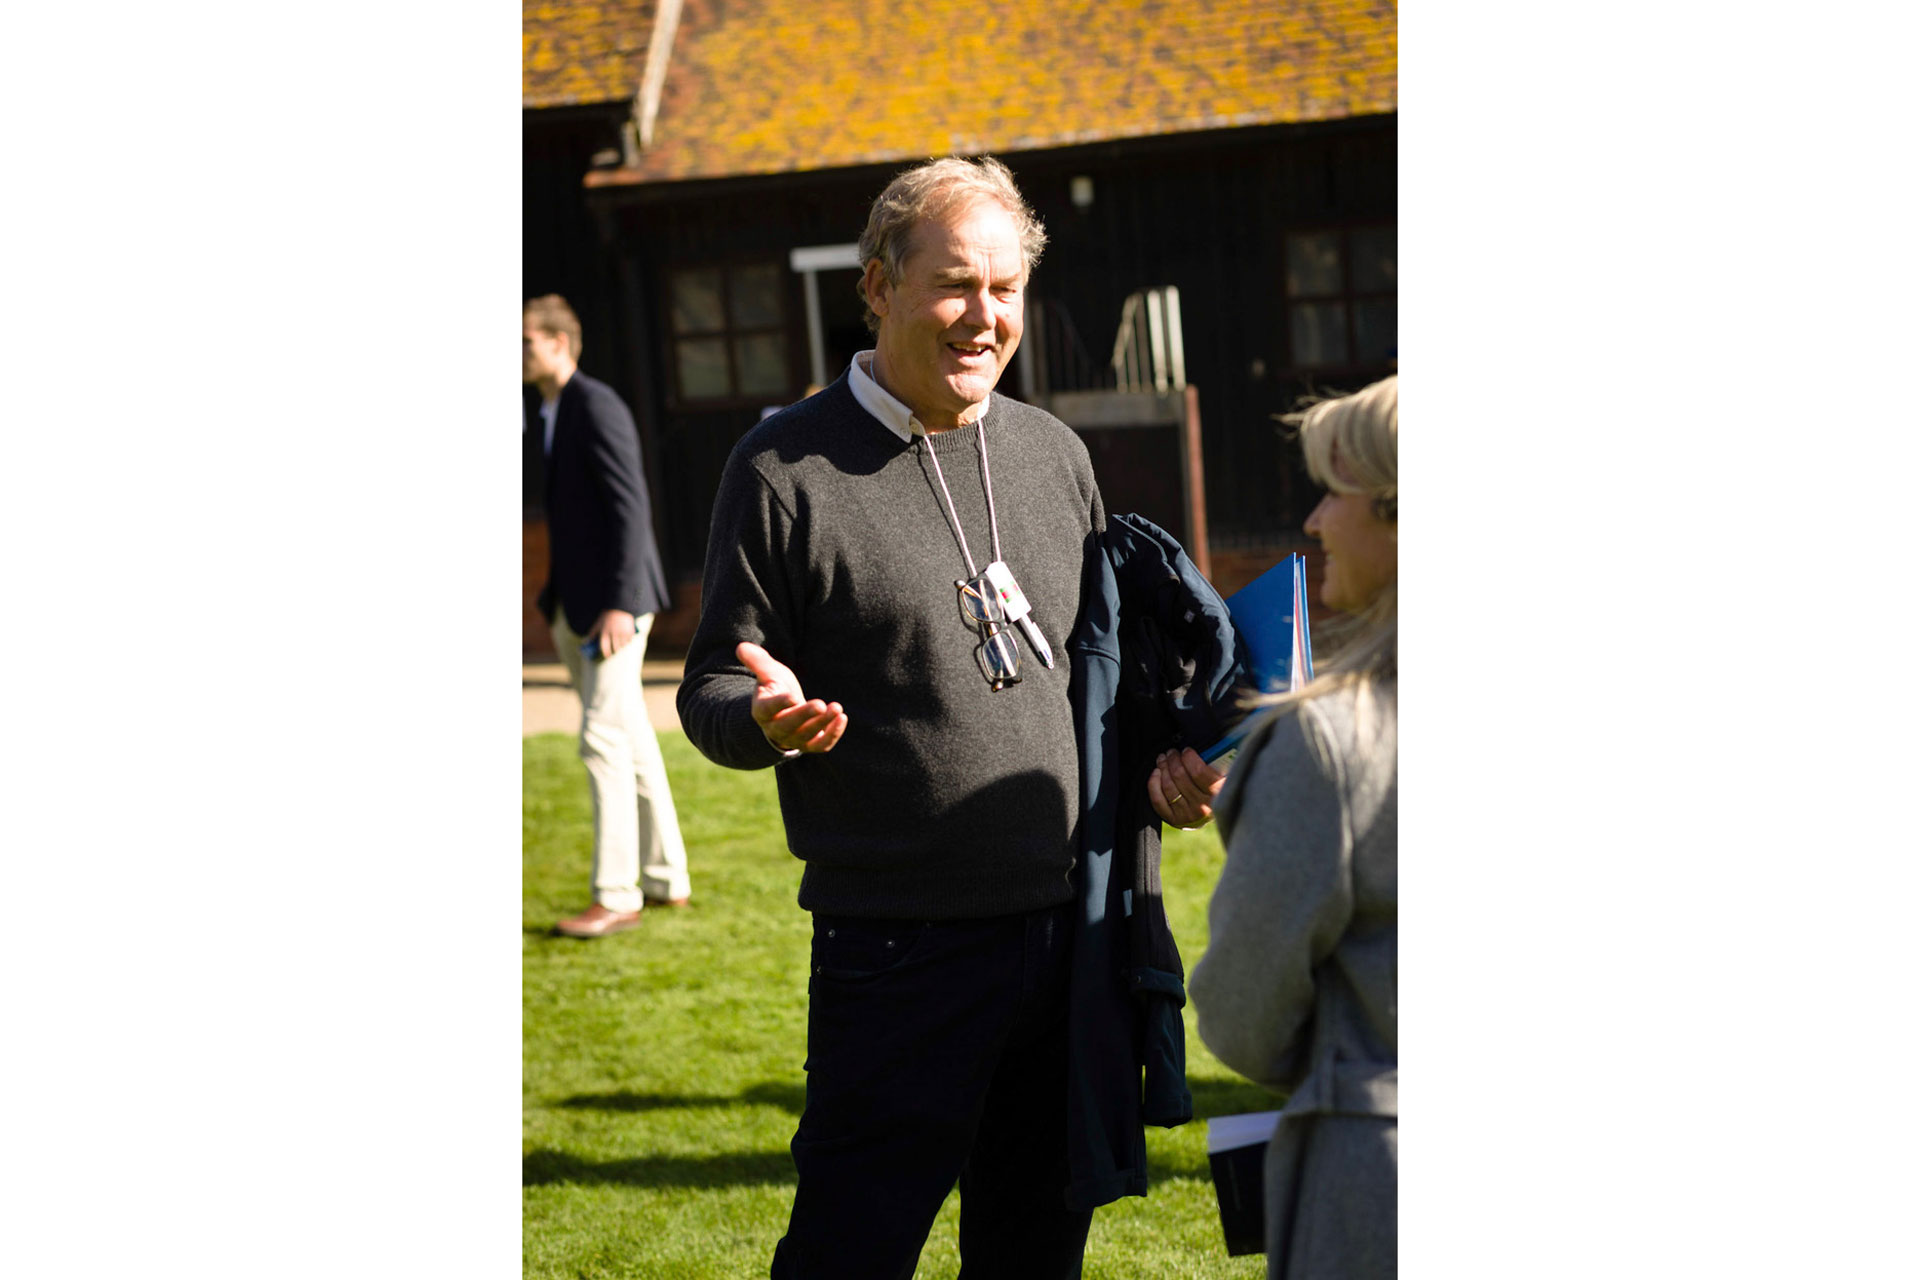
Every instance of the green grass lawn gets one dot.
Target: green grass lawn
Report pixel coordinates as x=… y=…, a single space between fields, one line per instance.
x=661 y=1077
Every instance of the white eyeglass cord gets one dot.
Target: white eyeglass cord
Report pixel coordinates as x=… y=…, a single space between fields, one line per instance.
x=986 y=481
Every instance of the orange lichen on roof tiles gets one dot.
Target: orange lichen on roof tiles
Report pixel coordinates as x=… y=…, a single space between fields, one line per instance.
x=771 y=86
x=578 y=52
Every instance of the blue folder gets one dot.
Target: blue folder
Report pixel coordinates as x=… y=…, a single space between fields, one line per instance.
x=1270 y=613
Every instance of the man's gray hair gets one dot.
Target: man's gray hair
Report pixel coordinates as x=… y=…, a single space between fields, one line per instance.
x=932 y=190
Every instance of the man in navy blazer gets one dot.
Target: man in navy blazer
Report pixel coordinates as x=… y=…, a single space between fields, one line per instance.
x=604 y=586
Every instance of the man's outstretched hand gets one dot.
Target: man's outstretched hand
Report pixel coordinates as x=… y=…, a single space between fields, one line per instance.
x=791 y=721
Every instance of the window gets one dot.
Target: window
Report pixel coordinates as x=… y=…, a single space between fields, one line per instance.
x=729 y=332
x=1343 y=297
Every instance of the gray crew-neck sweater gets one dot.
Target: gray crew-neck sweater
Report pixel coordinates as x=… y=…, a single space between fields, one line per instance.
x=833 y=548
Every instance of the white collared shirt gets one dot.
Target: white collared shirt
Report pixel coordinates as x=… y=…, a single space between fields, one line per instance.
x=879 y=402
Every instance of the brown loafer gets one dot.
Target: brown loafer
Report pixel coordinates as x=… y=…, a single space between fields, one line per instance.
x=668 y=902
x=597 y=922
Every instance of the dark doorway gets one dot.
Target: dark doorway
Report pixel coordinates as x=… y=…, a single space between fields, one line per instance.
x=843 y=331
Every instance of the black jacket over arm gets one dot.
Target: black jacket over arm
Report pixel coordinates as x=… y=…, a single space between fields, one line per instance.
x=599 y=519
x=1157 y=663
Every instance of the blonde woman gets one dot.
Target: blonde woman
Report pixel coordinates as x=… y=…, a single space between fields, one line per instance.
x=1298 y=988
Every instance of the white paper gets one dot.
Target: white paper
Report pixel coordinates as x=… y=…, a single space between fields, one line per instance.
x=1224 y=1133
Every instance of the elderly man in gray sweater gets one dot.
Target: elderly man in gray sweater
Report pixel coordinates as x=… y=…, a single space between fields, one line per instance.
x=910 y=545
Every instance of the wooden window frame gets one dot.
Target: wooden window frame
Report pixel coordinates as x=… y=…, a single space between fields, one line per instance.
x=729 y=333
x=1348 y=296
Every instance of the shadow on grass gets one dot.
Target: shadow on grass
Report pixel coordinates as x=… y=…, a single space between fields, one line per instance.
x=562 y=943
x=755 y=1168
x=1230 y=1097
x=791 y=1098
x=730 y=1169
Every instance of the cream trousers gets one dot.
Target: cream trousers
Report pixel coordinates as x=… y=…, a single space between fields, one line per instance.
x=636 y=834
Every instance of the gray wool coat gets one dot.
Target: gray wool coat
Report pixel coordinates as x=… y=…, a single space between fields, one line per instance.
x=1298 y=988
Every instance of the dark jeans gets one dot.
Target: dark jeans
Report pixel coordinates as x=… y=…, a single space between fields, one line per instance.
x=936 y=1052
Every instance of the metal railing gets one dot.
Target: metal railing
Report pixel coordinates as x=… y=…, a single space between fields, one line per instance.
x=1149 y=351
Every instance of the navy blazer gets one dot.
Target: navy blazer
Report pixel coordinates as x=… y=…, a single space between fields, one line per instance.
x=599 y=517
x=1156 y=664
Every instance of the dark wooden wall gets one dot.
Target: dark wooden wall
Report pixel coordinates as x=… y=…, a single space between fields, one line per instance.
x=1207 y=213
x=563 y=245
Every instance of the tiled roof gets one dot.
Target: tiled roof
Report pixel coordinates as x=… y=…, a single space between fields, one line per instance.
x=580 y=52
x=771 y=86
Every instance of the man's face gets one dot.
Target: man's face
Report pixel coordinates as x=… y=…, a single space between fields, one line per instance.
x=948 y=329
x=541 y=354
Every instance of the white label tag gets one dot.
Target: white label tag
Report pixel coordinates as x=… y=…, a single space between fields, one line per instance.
x=1012 y=598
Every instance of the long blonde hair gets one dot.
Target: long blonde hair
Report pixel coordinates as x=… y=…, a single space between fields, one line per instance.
x=1352 y=446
